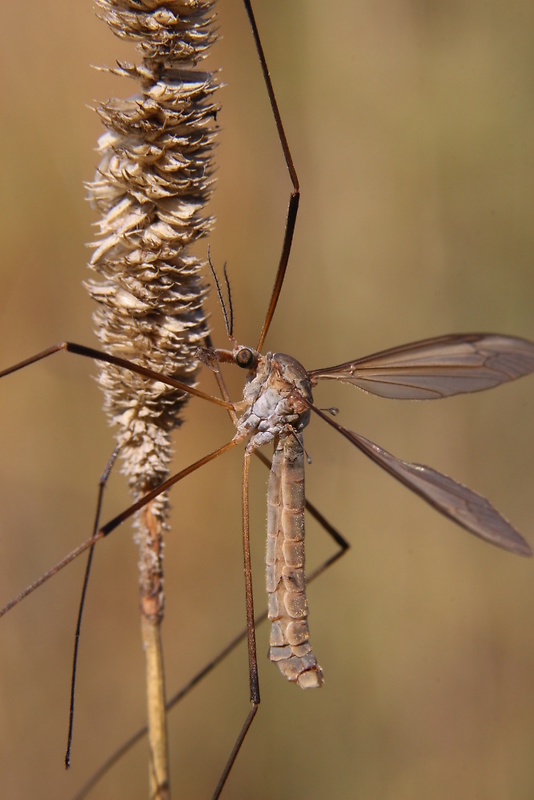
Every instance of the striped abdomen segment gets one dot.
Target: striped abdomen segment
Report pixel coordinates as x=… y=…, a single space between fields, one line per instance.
x=286 y=583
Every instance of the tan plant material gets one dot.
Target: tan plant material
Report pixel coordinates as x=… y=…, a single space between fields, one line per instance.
x=151 y=188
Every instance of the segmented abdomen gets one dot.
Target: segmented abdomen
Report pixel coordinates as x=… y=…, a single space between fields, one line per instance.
x=286 y=583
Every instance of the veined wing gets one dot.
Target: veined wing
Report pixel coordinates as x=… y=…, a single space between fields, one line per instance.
x=438 y=367
x=470 y=510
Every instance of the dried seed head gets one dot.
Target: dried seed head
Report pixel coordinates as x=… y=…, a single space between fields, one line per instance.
x=151 y=188
x=152 y=184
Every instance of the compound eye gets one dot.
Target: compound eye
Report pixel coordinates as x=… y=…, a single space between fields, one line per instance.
x=245 y=358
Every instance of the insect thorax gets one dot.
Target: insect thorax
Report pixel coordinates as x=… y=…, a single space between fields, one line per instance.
x=276 y=398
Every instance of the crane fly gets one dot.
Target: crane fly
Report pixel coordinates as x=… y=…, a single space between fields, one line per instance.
x=276 y=407
x=278 y=400
x=278 y=403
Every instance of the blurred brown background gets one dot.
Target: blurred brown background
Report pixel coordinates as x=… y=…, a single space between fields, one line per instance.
x=411 y=126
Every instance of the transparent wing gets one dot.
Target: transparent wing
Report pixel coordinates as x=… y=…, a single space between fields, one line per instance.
x=438 y=367
x=468 y=509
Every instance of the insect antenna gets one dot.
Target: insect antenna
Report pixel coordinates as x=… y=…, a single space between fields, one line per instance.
x=228 y=312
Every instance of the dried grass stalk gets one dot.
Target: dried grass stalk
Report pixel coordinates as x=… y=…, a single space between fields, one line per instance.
x=152 y=184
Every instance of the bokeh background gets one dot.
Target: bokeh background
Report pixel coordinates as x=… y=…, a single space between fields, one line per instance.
x=412 y=128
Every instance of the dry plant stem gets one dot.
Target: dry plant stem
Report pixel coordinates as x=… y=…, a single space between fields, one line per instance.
x=156 y=702
x=152 y=606
x=151 y=188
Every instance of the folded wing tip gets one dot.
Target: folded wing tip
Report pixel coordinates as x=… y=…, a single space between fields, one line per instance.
x=522 y=548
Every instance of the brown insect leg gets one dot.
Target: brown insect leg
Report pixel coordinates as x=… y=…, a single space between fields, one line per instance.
x=295 y=194
x=114 y=523
x=100 y=355
x=101 y=487
x=251 y=632
x=219 y=658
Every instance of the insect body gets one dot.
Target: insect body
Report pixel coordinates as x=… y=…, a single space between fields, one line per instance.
x=279 y=395
x=276 y=407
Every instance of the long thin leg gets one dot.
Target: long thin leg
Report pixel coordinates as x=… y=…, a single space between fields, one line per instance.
x=251 y=635
x=251 y=632
x=252 y=655
x=100 y=355
x=114 y=523
x=295 y=194
x=101 y=486
x=343 y=546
